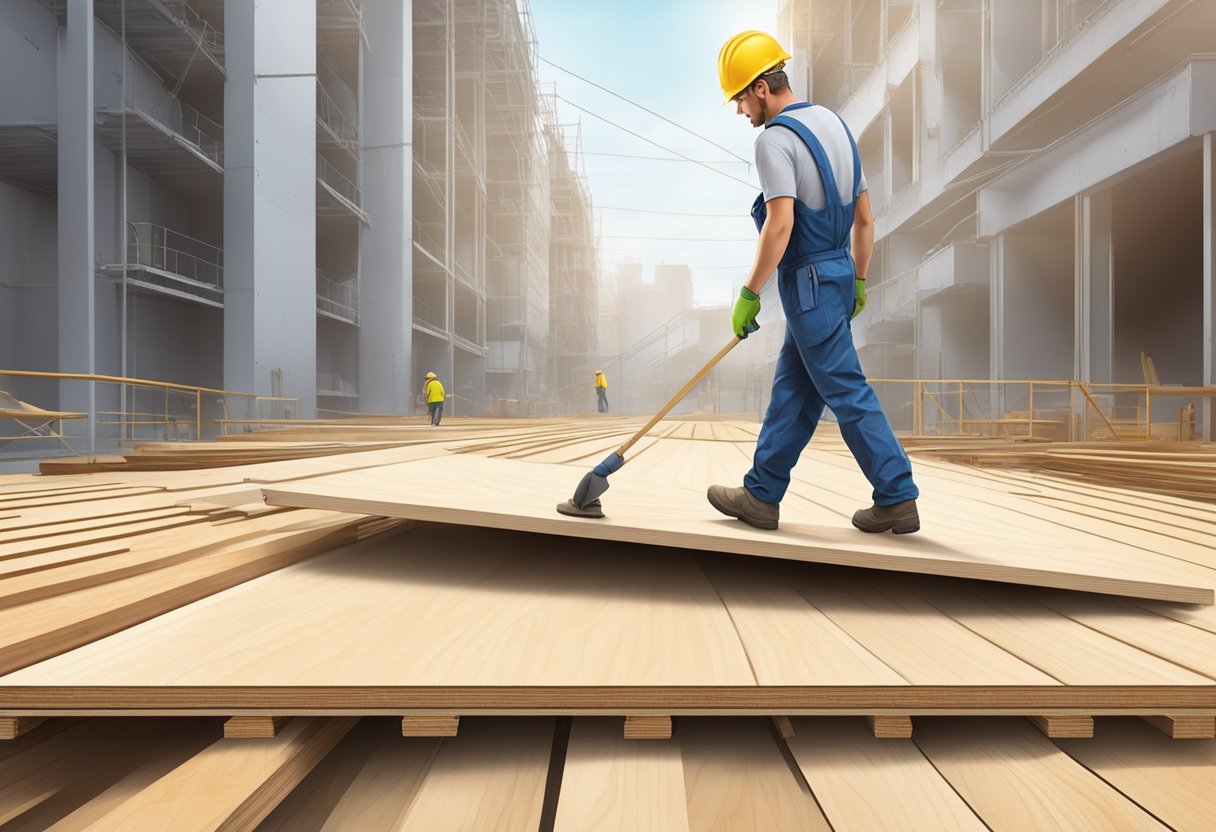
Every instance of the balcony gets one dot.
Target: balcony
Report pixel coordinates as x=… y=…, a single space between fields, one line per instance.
x=167 y=139
x=952 y=270
x=170 y=35
x=338 y=299
x=161 y=261
x=337 y=196
x=335 y=128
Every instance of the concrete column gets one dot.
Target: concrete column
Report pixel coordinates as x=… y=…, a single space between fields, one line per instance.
x=270 y=303
x=386 y=301
x=1094 y=274
x=76 y=245
x=1209 y=281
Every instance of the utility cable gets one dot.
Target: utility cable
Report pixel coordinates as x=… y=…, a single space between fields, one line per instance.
x=658 y=158
x=752 y=185
x=666 y=213
x=648 y=110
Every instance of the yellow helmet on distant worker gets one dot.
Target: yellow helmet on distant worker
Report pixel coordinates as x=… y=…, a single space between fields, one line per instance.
x=431 y=375
x=746 y=57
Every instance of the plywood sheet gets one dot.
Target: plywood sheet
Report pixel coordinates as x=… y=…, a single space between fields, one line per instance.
x=736 y=779
x=434 y=607
x=490 y=777
x=879 y=785
x=1015 y=778
x=610 y=783
x=521 y=496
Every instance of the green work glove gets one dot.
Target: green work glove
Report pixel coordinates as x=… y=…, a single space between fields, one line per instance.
x=859 y=297
x=743 y=318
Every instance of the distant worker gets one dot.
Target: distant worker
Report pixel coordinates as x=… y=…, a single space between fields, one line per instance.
x=433 y=388
x=814 y=200
x=601 y=391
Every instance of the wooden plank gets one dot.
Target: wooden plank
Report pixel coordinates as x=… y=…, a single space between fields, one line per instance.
x=12 y=727
x=495 y=610
x=1176 y=781
x=788 y=640
x=430 y=725
x=1015 y=778
x=36 y=631
x=1064 y=726
x=647 y=727
x=231 y=784
x=385 y=787
x=736 y=778
x=861 y=782
x=890 y=727
x=1184 y=726
x=522 y=496
x=309 y=806
x=1069 y=651
x=490 y=777
x=609 y=784
x=254 y=727
x=135 y=760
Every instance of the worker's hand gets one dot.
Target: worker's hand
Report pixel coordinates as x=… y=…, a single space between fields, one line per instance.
x=859 y=297
x=743 y=318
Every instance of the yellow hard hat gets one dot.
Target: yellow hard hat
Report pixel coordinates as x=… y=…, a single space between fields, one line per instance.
x=431 y=375
x=746 y=57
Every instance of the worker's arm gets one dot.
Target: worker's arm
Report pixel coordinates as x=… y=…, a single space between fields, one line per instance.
x=774 y=237
x=863 y=235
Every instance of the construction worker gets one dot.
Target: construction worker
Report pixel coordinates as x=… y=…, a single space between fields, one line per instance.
x=601 y=391
x=433 y=389
x=814 y=200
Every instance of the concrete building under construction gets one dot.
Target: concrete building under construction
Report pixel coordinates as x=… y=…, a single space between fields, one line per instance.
x=1042 y=176
x=312 y=201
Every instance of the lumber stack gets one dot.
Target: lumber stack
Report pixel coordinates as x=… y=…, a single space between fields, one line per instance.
x=522 y=664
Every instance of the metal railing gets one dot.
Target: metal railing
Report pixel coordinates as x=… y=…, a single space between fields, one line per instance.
x=1041 y=409
x=337 y=182
x=137 y=408
x=336 y=120
x=193 y=126
x=169 y=252
x=340 y=299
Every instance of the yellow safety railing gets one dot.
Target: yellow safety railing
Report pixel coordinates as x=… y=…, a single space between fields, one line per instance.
x=1038 y=408
x=134 y=414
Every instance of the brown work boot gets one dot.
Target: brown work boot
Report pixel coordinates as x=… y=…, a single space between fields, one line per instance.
x=900 y=518
x=739 y=503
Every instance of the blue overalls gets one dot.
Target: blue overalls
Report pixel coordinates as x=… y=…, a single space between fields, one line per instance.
x=818 y=363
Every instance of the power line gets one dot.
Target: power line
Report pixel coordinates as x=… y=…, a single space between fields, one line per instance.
x=648 y=110
x=667 y=213
x=680 y=239
x=663 y=158
x=656 y=144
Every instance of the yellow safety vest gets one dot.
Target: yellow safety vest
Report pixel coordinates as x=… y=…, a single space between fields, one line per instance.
x=601 y=381
x=434 y=391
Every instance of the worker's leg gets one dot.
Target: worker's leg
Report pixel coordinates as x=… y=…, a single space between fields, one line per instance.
x=438 y=413
x=793 y=412
x=836 y=371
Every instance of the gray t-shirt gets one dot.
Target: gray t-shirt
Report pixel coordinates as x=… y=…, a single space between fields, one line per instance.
x=787 y=168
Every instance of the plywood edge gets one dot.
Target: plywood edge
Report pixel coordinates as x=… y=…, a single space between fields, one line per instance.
x=1184 y=726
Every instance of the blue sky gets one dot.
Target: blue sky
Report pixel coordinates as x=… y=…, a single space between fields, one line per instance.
x=662 y=55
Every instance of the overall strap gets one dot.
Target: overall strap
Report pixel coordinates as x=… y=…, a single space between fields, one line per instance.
x=821 y=158
x=856 y=157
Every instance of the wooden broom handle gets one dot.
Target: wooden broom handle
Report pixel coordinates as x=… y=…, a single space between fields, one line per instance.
x=692 y=382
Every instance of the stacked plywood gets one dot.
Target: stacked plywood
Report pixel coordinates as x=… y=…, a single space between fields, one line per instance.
x=155 y=593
